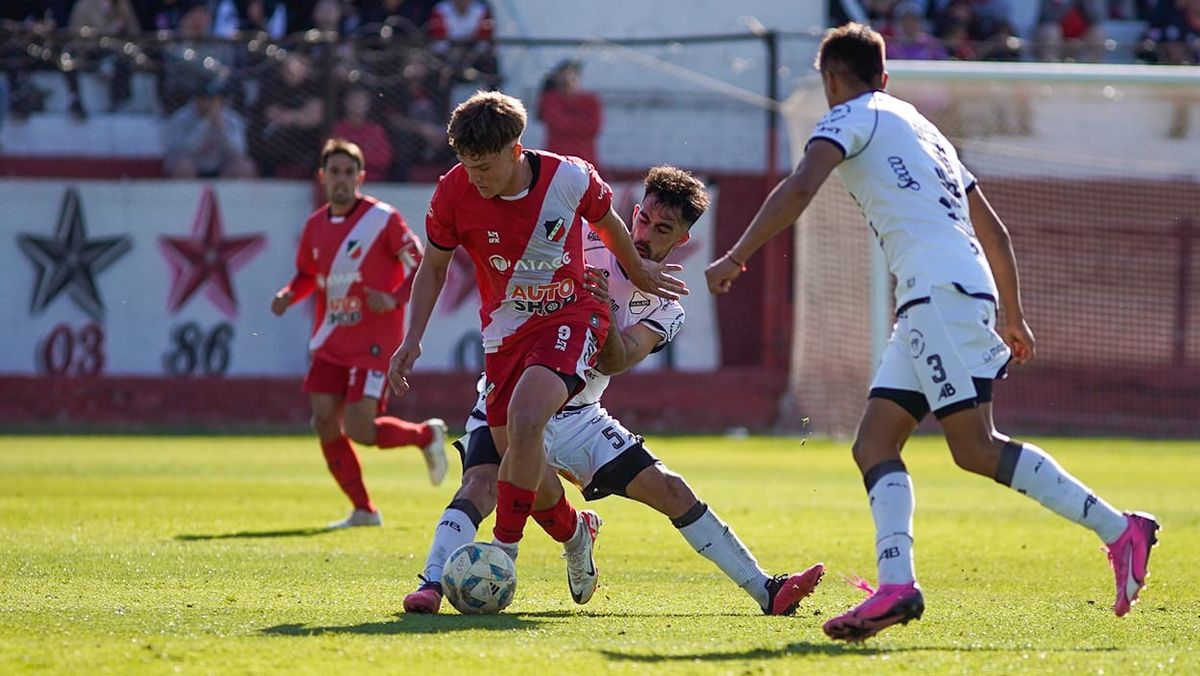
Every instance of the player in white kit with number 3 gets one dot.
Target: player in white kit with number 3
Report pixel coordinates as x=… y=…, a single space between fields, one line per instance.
x=593 y=450
x=953 y=262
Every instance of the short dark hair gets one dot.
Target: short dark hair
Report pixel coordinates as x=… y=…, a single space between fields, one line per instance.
x=486 y=123
x=855 y=49
x=340 y=146
x=675 y=188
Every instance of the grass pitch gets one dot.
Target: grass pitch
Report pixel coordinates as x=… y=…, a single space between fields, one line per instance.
x=205 y=554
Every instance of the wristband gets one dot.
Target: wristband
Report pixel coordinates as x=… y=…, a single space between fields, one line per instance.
x=735 y=261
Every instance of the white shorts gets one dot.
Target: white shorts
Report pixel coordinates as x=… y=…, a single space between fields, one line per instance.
x=588 y=446
x=943 y=354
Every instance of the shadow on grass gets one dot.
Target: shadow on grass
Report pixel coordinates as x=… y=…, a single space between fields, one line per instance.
x=251 y=534
x=607 y=614
x=404 y=623
x=829 y=649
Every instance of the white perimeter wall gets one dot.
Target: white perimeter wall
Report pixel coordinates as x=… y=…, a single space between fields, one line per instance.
x=138 y=324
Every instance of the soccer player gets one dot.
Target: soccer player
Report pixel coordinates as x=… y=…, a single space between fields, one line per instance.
x=952 y=260
x=519 y=214
x=594 y=450
x=357 y=254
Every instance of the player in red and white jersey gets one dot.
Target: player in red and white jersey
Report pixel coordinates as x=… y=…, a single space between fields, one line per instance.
x=593 y=450
x=519 y=214
x=357 y=255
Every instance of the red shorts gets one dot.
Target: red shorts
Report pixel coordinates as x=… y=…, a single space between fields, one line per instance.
x=350 y=382
x=567 y=345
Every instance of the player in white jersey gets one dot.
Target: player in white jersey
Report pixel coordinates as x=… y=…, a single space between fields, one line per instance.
x=952 y=260
x=593 y=450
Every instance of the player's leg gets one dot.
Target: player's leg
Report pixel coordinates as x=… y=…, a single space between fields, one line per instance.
x=669 y=494
x=895 y=405
x=364 y=425
x=326 y=385
x=538 y=393
x=1030 y=471
x=459 y=523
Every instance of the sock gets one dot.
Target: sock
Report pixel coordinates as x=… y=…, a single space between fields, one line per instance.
x=343 y=465
x=1029 y=471
x=560 y=521
x=715 y=541
x=457 y=527
x=513 y=506
x=891 y=494
x=392 y=432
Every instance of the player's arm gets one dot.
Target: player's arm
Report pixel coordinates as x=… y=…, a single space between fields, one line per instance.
x=622 y=350
x=997 y=248
x=427 y=286
x=647 y=275
x=781 y=209
x=302 y=284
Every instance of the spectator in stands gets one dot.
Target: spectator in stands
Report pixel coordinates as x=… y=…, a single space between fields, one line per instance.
x=909 y=39
x=1174 y=33
x=879 y=14
x=356 y=126
x=206 y=139
x=1072 y=29
x=36 y=47
x=192 y=58
x=573 y=116
x=407 y=16
x=290 y=120
x=461 y=34
x=328 y=17
x=957 y=40
x=107 y=18
x=416 y=123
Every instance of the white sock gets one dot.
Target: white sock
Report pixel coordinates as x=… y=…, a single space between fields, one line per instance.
x=892 y=504
x=716 y=541
x=1037 y=475
x=575 y=542
x=455 y=529
x=510 y=548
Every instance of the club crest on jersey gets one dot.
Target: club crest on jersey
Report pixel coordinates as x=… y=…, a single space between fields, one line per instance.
x=555 y=229
x=639 y=303
x=354 y=249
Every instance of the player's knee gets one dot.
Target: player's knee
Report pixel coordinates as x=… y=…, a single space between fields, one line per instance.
x=524 y=426
x=360 y=430
x=869 y=452
x=479 y=487
x=326 y=425
x=676 y=489
x=974 y=455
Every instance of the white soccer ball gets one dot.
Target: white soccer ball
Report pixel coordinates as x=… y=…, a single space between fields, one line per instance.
x=479 y=579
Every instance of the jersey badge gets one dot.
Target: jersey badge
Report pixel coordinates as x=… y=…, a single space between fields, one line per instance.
x=354 y=249
x=638 y=303
x=555 y=229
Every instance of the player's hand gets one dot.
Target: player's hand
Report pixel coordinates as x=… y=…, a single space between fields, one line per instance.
x=401 y=366
x=720 y=275
x=653 y=279
x=282 y=302
x=380 y=301
x=596 y=283
x=1019 y=338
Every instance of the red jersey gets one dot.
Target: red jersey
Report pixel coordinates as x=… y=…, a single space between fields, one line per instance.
x=339 y=258
x=528 y=248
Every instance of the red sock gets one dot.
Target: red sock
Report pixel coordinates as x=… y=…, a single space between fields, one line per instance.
x=392 y=432
x=513 y=505
x=560 y=521
x=343 y=465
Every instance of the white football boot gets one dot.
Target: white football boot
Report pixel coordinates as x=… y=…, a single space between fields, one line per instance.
x=582 y=576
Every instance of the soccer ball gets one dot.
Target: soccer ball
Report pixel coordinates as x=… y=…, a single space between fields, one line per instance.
x=479 y=579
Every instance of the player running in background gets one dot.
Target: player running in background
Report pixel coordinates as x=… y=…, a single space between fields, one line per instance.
x=594 y=450
x=357 y=254
x=519 y=214
x=952 y=259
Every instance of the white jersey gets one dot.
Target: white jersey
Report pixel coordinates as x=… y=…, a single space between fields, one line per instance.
x=912 y=188
x=630 y=305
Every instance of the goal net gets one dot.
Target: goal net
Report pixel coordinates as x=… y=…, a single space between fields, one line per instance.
x=1094 y=171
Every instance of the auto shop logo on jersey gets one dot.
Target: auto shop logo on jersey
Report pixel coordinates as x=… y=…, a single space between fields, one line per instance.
x=555 y=229
x=354 y=249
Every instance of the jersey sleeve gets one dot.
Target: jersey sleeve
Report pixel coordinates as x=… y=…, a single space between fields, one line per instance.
x=439 y=220
x=847 y=126
x=405 y=245
x=597 y=199
x=968 y=179
x=665 y=320
x=305 y=280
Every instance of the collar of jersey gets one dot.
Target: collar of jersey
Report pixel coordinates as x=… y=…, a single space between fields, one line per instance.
x=535 y=168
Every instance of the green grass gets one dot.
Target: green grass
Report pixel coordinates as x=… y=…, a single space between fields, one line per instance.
x=201 y=554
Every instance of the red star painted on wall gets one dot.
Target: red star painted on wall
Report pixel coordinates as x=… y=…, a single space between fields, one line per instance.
x=207 y=259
